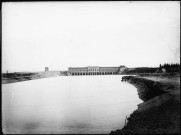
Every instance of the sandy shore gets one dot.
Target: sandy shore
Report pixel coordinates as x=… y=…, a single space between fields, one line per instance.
x=160 y=111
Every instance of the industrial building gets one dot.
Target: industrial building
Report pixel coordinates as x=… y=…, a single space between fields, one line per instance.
x=95 y=70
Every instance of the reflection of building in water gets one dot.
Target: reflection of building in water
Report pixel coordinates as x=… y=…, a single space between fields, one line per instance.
x=95 y=70
x=46 y=69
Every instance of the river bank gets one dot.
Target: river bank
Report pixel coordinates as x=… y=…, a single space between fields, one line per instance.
x=160 y=111
x=18 y=77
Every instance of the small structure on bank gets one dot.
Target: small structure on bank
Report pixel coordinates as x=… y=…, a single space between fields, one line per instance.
x=46 y=69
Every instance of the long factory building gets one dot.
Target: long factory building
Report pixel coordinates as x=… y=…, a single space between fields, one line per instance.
x=95 y=70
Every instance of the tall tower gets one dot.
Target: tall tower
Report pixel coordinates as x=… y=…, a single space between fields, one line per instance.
x=46 y=69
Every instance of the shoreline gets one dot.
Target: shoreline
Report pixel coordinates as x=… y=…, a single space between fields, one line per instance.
x=160 y=111
x=20 y=78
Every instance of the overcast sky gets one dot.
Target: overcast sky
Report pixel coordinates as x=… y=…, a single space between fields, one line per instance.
x=74 y=34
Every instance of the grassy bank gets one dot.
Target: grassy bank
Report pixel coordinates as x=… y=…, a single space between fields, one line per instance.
x=160 y=111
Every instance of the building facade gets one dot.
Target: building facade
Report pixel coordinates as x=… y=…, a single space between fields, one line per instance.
x=93 y=70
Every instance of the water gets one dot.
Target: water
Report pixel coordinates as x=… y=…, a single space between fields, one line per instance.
x=67 y=104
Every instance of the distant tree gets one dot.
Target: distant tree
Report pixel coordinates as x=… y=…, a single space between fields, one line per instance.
x=160 y=66
x=171 y=67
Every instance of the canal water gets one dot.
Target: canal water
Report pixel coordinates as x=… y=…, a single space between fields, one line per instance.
x=67 y=104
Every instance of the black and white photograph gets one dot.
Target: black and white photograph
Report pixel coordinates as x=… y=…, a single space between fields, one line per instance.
x=90 y=67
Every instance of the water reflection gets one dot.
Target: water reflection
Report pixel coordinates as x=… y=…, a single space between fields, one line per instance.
x=68 y=104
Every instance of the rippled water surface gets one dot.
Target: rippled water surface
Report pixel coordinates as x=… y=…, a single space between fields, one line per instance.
x=67 y=104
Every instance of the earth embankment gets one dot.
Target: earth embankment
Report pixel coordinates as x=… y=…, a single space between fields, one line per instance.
x=160 y=111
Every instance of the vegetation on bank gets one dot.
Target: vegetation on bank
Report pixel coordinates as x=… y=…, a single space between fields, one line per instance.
x=165 y=68
x=17 y=77
x=14 y=75
x=170 y=68
x=25 y=76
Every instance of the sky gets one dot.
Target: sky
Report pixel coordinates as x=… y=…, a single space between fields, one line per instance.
x=59 y=35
